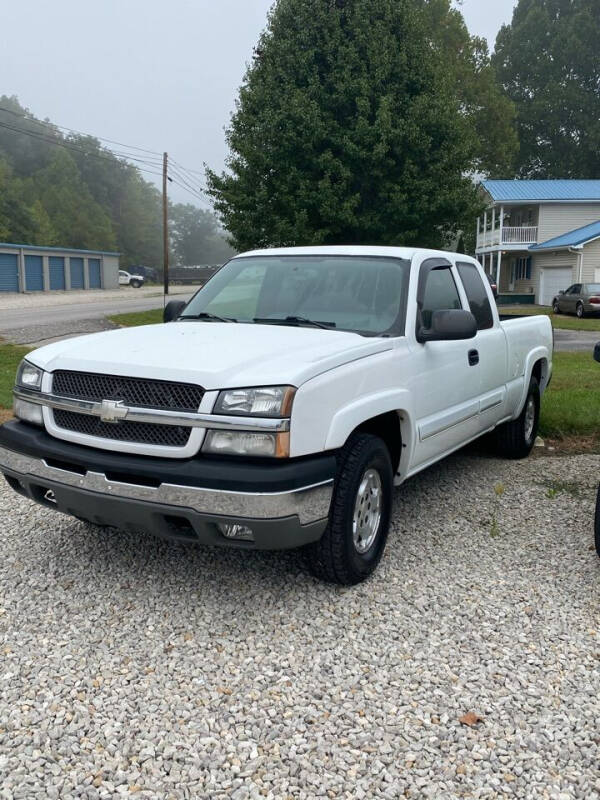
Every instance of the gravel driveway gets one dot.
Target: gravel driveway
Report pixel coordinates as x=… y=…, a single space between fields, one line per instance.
x=133 y=667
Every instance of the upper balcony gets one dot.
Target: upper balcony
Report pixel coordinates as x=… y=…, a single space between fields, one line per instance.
x=520 y=236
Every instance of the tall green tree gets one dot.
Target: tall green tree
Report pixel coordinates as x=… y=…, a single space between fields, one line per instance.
x=548 y=60
x=489 y=112
x=350 y=128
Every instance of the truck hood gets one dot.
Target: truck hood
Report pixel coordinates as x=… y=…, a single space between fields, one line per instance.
x=213 y=354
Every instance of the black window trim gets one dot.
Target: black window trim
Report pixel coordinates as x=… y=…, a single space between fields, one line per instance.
x=460 y=263
x=428 y=266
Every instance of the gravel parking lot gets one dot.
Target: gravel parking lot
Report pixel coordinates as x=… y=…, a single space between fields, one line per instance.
x=135 y=667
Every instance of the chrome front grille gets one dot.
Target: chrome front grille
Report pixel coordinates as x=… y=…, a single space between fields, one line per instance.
x=139 y=432
x=141 y=392
x=133 y=392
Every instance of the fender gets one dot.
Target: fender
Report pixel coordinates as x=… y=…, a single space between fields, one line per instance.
x=349 y=417
x=538 y=354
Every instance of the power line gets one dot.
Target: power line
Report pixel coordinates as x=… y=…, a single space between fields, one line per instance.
x=190 y=174
x=155 y=161
x=81 y=133
x=191 y=191
x=69 y=146
x=188 y=181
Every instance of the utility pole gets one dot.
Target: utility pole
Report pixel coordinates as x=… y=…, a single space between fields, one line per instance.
x=165 y=225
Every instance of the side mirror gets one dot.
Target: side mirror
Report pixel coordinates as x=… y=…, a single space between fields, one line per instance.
x=597 y=352
x=561 y=292
x=173 y=310
x=448 y=326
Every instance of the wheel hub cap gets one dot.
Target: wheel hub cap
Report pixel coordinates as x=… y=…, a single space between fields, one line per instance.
x=367 y=511
x=529 y=418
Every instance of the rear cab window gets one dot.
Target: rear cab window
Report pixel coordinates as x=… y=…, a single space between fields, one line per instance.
x=477 y=295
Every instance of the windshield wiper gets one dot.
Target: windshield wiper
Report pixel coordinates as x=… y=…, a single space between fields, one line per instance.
x=206 y=316
x=294 y=321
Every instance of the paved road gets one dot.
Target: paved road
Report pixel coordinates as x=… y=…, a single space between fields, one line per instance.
x=575 y=341
x=31 y=326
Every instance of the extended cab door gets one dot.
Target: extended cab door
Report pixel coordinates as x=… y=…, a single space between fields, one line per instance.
x=491 y=349
x=446 y=383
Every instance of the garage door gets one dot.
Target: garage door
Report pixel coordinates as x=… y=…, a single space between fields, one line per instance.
x=552 y=281
x=34 y=274
x=94 y=267
x=76 y=273
x=57 y=272
x=9 y=272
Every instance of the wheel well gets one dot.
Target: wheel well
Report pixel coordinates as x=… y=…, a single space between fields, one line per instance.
x=387 y=427
x=540 y=371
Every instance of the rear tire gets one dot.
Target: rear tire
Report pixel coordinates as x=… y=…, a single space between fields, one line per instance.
x=515 y=439
x=580 y=311
x=359 y=518
x=597 y=526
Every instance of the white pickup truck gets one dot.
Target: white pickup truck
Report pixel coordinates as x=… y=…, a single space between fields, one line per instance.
x=282 y=404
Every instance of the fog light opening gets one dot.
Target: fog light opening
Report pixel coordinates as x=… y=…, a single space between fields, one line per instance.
x=238 y=532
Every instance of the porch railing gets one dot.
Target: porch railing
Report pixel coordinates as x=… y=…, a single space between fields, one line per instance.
x=519 y=235
x=509 y=236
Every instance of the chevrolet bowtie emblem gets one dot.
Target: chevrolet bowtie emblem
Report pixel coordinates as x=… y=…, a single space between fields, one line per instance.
x=112 y=410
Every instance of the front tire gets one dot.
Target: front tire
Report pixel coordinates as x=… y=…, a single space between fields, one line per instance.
x=359 y=518
x=580 y=311
x=556 y=307
x=515 y=439
x=135 y=284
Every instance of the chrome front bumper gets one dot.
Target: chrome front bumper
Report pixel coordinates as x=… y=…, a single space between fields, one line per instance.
x=308 y=504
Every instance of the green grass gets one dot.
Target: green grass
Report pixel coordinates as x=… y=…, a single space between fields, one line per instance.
x=10 y=356
x=571 y=405
x=558 y=320
x=138 y=318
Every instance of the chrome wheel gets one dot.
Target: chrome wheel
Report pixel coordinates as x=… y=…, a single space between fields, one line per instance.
x=367 y=511
x=579 y=310
x=529 y=418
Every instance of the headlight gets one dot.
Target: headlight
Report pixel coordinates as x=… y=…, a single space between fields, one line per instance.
x=267 y=401
x=29 y=376
x=243 y=443
x=28 y=412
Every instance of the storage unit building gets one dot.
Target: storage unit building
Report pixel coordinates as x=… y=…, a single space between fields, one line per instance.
x=28 y=268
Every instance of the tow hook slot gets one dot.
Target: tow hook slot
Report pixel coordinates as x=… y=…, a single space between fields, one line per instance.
x=50 y=497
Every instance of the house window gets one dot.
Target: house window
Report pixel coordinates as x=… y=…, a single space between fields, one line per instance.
x=521 y=269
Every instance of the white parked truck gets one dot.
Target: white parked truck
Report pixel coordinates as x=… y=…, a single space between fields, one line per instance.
x=282 y=404
x=127 y=279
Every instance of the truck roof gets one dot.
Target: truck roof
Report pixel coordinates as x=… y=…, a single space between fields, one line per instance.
x=346 y=250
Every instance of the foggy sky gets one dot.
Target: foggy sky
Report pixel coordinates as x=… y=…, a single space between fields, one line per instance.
x=162 y=75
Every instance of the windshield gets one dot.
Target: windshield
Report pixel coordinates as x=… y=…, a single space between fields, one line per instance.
x=360 y=294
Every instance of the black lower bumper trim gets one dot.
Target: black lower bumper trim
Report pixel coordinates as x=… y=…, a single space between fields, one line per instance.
x=167 y=522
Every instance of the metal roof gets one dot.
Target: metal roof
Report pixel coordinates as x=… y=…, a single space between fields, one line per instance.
x=571 y=239
x=540 y=191
x=10 y=246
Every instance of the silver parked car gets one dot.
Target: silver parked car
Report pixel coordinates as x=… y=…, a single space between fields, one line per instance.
x=579 y=299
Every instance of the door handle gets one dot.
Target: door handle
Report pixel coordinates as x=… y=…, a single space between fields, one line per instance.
x=473 y=358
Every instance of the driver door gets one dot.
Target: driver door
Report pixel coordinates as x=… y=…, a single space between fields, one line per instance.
x=446 y=377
